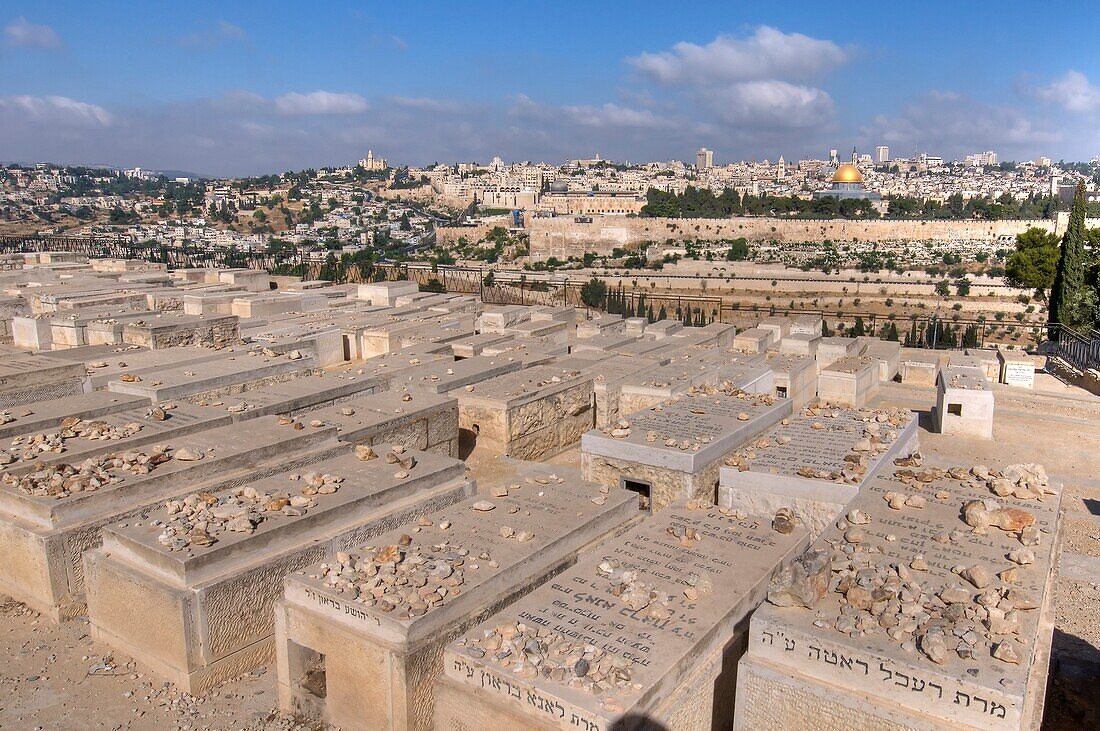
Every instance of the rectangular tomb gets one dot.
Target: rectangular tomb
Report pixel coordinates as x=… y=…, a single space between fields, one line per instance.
x=815 y=462
x=674 y=452
x=190 y=592
x=26 y=378
x=641 y=634
x=964 y=402
x=918 y=369
x=212 y=379
x=48 y=520
x=530 y=414
x=794 y=377
x=754 y=340
x=414 y=419
x=851 y=381
x=933 y=617
x=378 y=644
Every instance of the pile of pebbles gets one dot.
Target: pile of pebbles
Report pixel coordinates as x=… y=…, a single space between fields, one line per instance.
x=979 y=614
x=62 y=480
x=402 y=579
x=26 y=448
x=530 y=652
x=199 y=518
x=873 y=431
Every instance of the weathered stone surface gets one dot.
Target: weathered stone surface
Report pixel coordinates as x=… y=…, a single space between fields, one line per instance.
x=924 y=622
x=641 y=614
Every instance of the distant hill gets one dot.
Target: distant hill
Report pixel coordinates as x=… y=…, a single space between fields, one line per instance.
x=181 y=174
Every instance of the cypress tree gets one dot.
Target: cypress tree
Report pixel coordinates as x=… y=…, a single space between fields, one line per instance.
x=1069 y=278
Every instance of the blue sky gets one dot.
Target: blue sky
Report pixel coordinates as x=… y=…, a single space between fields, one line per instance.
x=242 y=88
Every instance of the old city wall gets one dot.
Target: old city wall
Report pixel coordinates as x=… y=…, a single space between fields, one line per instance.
x=563 y=236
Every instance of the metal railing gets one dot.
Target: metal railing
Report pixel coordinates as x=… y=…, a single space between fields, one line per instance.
x=1080 y=349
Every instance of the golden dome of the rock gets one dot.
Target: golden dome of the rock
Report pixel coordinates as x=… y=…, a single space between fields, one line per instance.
x=847 y=173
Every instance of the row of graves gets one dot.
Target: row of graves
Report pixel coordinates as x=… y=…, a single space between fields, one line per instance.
x=294 y=494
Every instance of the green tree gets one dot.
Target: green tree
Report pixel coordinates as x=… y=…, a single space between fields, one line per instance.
x=433 y=285
x=594 y=293
x=962 y=287
x=943 y=288
x=1035 y=260
x=1069 y=279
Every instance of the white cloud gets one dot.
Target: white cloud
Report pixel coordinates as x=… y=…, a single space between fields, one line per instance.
x=771 y=103
x=953 y=124
x=55 y=109
x=21 y=32
x=321 y=102
x=1072 y=91
x=615 y=116
x=767 y=54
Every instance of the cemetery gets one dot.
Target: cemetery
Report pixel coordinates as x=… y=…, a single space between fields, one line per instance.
x=392 y=509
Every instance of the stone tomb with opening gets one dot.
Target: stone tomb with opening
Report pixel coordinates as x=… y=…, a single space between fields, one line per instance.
x=379 y=656
x=964 y=402
x=201 y=612
x=530 y=414
x=674 y=452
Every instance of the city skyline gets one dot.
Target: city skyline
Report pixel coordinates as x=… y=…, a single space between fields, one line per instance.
x=226 y=91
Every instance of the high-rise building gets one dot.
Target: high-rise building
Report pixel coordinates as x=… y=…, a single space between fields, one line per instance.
x=833 y=158
x=978 y=159
x=882 y=154
x=704 y=159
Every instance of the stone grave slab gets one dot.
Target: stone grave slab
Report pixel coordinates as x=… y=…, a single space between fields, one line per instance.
x=888 y=355
x=639 y=629
x=27 y=378
x=213 y=379
x=664 y=329
x=601 y=325
x=794 y=377
x=849 y=381
x=754 y=340
x=44 y=529
x=696 y=367
x=800 y=344
x=918 y=369
x=606 y=343
x=394 y=645
x=815 y=462
x=807 y=324
x=531 y=413
x=190 y=591
x=1017 y=368
x=445 y=376
x=414 y=419
x=964 y=402
x=832 y=348
x=168 y=330
x=988 y=361
x=471 y=345
x=498 y=319
x=385 y=293
x=779 y=326
x=674 y=451
x=75 y=439
x=966 y=646
x=48 y=415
